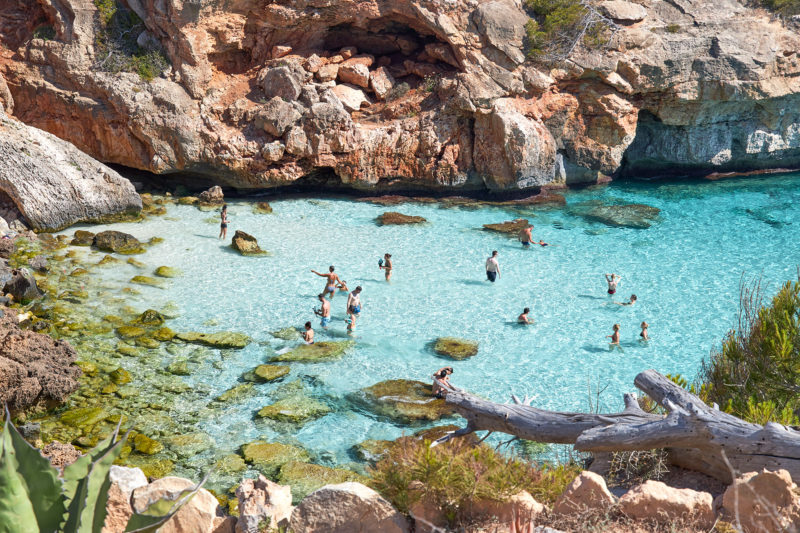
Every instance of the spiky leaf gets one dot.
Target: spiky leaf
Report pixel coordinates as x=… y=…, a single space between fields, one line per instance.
x=157 y=513
x=16 y=510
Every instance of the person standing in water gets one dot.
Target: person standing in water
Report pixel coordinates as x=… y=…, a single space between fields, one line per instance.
x=492 y=267
x=525 y=236
x=643 y=334
x=354 y=307
x=324 y=311
x=387 y=266
x=523 y=318
x=613 y=281
x=330 y=285
x=223 y=225
x=308 y=334
x=614 y=336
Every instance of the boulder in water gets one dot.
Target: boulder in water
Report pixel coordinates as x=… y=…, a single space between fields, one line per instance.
x=305 y=478
x=266 y=373
x=402 y=400
x=455 y=348
x=316 y=353
x=82 y=238
x=286 y=334
x=262 y=208
x=636 y=216
x=151 y=317
x=119 y=242
x=296 y=409
x=236 y=393
x=212 y=196
x=246 y=244
x=222 y=340
x=167 y=272
x=511 y=227
x=269 y=457
x=22 y=286
x=395 y=218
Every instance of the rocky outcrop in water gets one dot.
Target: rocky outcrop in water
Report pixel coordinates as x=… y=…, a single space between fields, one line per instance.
x=53 y=184
x=437 y=94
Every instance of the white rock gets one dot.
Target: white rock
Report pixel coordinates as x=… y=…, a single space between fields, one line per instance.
x=622 y=11
x=352 y=98
x=128 y=479
x=261 y=500
x=381 y=82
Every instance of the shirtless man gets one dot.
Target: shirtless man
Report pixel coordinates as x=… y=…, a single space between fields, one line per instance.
x=324 y=311
x=525 y=236
x=354 y=306
x=523 y=318
x=613 y=281
x=333 y=279
x=387 y=266
x=492 y=267
x=308 y=334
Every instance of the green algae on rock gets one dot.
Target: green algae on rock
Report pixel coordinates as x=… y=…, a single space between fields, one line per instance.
x=152 y=467
x=262 y=208
x=83 y=417
x=223 y=339
x=512 y=227
x=246 y=244
x=286 y=334
x=189 y=444
x=394 y=218
x=128 y=351
x=296 y=409
x=136 y=263
x=315 y=353
x=305 y=478
x=118 y=242
x=266 y=373
x=163 y=334
x=144 y=444
x=146 y=280
x=130 y=332
x=108 y=260
x=120 y=376
x=147 y=342
x=151 y=317
x=167 y=272
x=455 y=348
x=402 y=400
x=179 y=368
x=269 y=457
x=236 y=393
x=82 y=238
x=230 y=464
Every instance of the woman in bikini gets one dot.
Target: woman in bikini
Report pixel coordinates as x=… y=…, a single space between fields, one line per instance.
x=223 y=226
x=614 y=336
x=387 y=266
x=330 y=285
x=441 y=382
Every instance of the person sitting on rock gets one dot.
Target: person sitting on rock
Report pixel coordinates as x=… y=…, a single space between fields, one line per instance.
x=441 y=382
x=308 y=334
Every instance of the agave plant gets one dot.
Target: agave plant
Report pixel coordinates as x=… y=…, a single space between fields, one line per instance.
x=34 y=498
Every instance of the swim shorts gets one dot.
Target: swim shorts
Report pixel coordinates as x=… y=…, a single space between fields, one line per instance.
x=355 y=309
x=491 y=276
x=611 y=291
x=325 y=321
x=525 y=244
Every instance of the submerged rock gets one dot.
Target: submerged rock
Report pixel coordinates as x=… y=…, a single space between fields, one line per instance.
x=230 y=464
x=83 y=417
x=305 y=478
x=262 y=208
x=130 y=332
x=269 y=457
x=636 y=216
x=395 y=218
x=266 y=373
x=236 y=393
x=190 y=444
x=246 y=244
x=144 y=444
x=167 y=272
x=316 y=353
x=150 y=317
x=222 y=340
x=118 y=242
x=82 y=238
x=22 y=286
x=296 y=409
x=512 y=227
x=455 y=348
x=153 y=467
x=372 y=451
x=401 y=400
x=146 y=280
x=286 y=334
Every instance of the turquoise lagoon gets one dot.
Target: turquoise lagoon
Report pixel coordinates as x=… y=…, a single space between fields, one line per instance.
x=685 y=269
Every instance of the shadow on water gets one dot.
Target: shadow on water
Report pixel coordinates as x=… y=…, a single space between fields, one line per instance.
x=473 y=282
x=205 y=236
x=591 y=297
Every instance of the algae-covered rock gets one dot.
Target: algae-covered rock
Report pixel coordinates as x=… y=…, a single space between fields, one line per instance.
x=179 y=368
x=511 y=227
x=167 y=272
x=120 y=376
x=189 y=444
x=147 y=342
x=153 y=468
x=136 y=263
x=130 y=332
x=455 y=348
x=118 y=242
x=295 y=409
x=144 y=444
x=230 y=464
x=372 y=451
x=269 y=457
x=108 y=260
x=266 y=373
x=146 y=280
x=222 y=340
x=246 y=244
x=262 y=208
x=83 y=417
x=316 y=353
x=188 y=200
x=163 y=334
x=395 y=218
x=151 y=317
x=286 y=334
x=78 y=272
x=82 y=238
x=88 y=368
x=237 y=393
x=305 y=478
x=401 y=400
x=155 y=240
x=128 y=351
x=636 y=216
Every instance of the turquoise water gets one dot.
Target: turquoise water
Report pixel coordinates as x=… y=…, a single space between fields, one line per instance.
x=685 y=270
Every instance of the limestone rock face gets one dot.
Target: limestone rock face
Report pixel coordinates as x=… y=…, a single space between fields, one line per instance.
x=345 y=508
x=657 y=501
x=53 y=184
x=124 y=481
x=260 y=501
x=200 y=515
x=681 y=88
x=587 y=491
x=517 y=514
x=763 y=501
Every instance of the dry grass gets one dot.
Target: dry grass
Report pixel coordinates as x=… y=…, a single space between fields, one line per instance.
x=612 y=520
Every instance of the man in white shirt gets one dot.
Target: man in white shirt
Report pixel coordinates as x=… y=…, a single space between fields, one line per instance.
x=492 y=267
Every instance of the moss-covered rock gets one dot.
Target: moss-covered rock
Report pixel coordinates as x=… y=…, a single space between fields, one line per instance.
x=262 y=208
x=163 y=334
x=78 y=272
x=246 y=244
x=188 y=200
x=118 y=242
x=401 y=400
x=120 y=376
x=511 y=227
x=179 y=368
x=136 y=263
x=130 y=332
x=189 y=444
x=266 y=373
x=144 y=444
x=167 y=272
x=83 y=417
x=305 y=478
x=222 y=340
x=151 y=317
x=286 y=334
x=152 y=467
x=394 y=218
x=316 y=353
x=372 y=451
x=108 y=260
x=88 y=368
x=146 y=280
x=128 y=351
x=269 y=457
x=147 y=342
x=455 y=348
x=230 y=464
x=82 y=238
x=296 y=409
x=237 y=393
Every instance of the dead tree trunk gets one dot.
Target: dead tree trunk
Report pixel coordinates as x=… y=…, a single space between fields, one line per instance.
x=697 y=436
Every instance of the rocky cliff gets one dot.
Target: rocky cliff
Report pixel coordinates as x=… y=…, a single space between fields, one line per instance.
x=408 y=93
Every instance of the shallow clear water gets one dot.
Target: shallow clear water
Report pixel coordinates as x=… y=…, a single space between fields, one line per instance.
x=685 y=269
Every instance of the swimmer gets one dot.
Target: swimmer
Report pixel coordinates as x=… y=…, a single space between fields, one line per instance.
x=387 y=266
x=342 y=286
x=330 y=285
x=643 y=334
x=613 y=281
x=354 y=306
x=629 y=302
x=542 y=243
x=492 y=267
x=525 y=236
x=308 y=334
x=223 y=225
x=523 y=318
x=614 y=336
x=324 y=312
x=441 y=382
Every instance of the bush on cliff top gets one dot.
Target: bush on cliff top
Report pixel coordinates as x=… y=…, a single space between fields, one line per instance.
x=784 y=7
x=556 y=27
x=755 y=375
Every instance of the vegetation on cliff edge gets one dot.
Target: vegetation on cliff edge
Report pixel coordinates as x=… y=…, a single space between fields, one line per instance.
x=557 y=27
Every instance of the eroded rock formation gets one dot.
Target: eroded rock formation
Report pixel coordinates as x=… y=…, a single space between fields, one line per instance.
x=411 y=93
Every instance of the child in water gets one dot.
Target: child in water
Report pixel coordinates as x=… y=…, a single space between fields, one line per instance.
x=308 y=334
x=223 y=225
x=614 y=336
x=643 y=334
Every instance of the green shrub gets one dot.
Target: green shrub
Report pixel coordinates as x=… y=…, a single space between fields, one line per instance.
x=44 y=32
x=557 y=26
x=673 y=28
x=34 y=498
x=784 y=7
x=755 y=375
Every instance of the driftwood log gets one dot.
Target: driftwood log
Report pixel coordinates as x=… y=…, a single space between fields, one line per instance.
x=697 y=436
